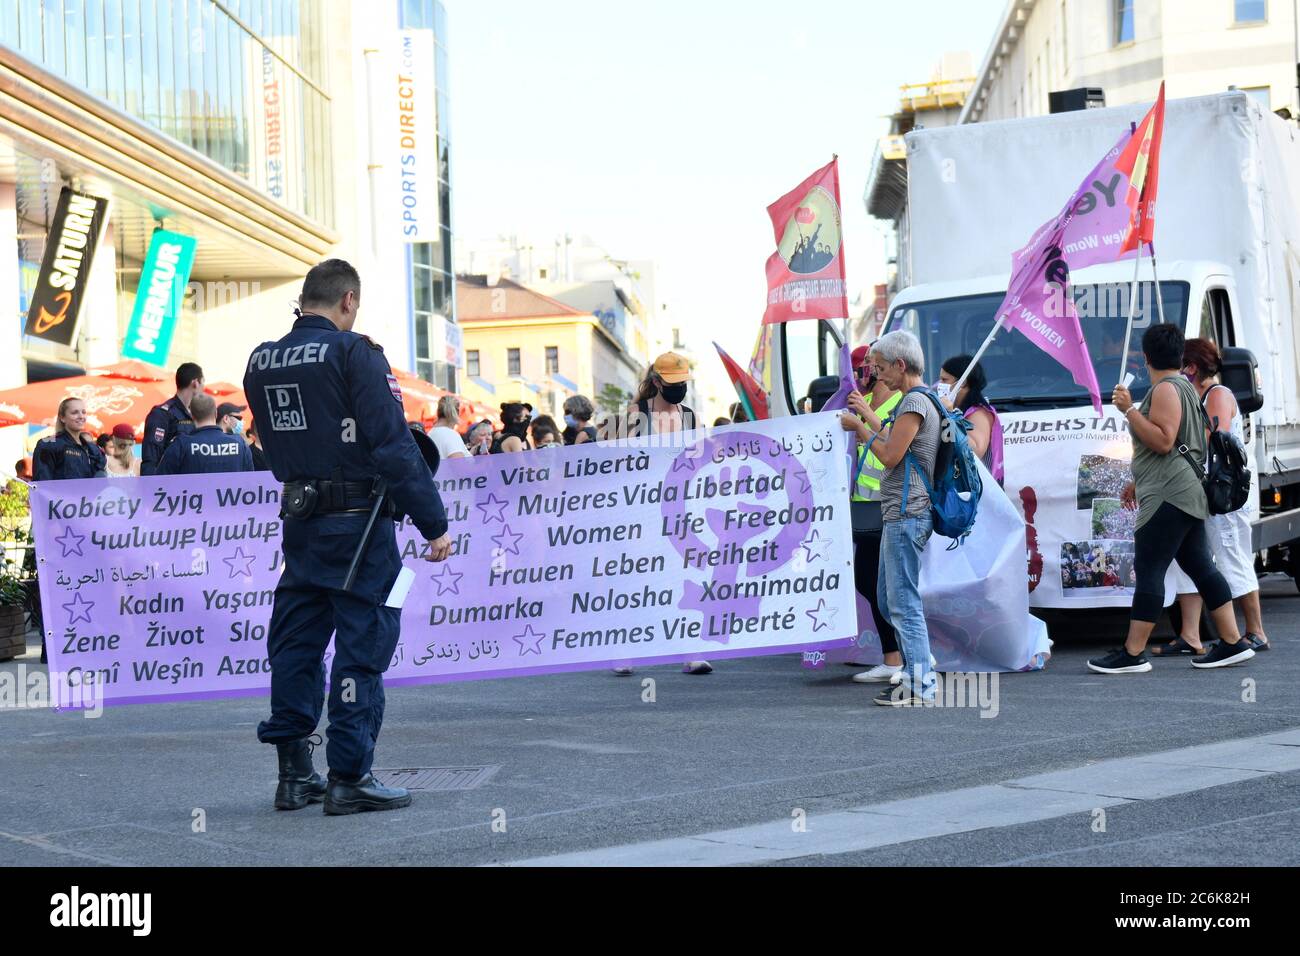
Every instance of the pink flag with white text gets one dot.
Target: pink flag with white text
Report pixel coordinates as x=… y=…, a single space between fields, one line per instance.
x=1090 y=229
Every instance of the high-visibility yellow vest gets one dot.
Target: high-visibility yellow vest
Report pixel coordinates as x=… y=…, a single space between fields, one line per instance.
x=872 y=469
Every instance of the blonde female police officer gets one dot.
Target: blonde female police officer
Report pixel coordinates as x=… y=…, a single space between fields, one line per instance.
x=329 y=413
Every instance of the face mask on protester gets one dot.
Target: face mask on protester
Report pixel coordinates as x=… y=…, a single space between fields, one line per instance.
x=237 y=427
x=942 y=389
x=570 y=421
x=673 y=394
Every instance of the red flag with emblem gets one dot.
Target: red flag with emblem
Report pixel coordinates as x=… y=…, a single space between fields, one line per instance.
x=805 y=276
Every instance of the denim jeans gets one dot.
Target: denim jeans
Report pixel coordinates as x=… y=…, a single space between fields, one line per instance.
x=898 y=591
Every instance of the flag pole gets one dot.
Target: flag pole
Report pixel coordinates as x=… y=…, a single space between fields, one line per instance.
x=1132 y=309
x=1160 y=299
x=1132 y=292
x=984 y=346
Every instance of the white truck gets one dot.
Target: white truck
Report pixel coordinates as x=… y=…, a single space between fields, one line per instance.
x=1228 y=250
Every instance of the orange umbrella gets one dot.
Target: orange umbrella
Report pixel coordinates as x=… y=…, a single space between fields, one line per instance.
x=110 y=400
x=135 y=370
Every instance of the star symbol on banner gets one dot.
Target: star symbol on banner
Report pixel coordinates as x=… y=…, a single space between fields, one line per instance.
x=530 y=642
x=507 y=535
x=822 y=616
x=685 y=460
x=493 y=503
x=815 y=546
x=447 y=580
x=78 y=609
x=240 y=563
x=70 y=542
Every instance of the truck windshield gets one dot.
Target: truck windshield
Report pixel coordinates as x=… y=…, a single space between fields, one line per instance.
x=1021 y=375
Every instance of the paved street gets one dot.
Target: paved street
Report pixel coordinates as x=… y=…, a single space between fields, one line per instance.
x=712 y=772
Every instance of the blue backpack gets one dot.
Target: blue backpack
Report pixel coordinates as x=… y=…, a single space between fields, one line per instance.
x=955 y=494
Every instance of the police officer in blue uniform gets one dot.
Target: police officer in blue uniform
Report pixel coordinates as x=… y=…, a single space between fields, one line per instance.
x=329 y=413
x=68 y=453
x=207 y=449
x=164 y=422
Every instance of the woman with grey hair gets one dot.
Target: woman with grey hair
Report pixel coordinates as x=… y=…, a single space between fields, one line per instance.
x=444 y=434
x=908 y=440
x=578 y=429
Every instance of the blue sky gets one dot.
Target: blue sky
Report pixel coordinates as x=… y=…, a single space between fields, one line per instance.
x=663 y=130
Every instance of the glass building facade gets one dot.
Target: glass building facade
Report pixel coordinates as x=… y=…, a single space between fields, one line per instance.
x=240 y=81
x=433 y=282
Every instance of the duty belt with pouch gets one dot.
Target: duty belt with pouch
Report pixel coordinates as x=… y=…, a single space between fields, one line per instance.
x=321 y=496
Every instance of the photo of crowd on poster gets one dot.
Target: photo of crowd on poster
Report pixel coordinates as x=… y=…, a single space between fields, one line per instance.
x=1097 y=564
x=1101 y=477
x=1111 y=520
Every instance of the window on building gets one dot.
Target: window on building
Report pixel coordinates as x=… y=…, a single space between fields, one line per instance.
x=512 y=362
x=552 y=360
x=1251 y=11
x=471 y=363
x=1260 y=94
x=1124 y=21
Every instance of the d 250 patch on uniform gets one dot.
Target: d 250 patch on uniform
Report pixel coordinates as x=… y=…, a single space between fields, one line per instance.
x=395 y=388
x=287 y=412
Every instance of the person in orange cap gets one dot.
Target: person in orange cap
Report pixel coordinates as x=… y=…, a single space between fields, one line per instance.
x=659 y=409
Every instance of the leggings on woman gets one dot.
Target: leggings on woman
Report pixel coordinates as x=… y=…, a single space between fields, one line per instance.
x=1173 y=535
x=866 y=569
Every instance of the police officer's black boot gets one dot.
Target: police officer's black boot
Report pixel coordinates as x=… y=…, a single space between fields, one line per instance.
x=300 y=784
x=363 y=794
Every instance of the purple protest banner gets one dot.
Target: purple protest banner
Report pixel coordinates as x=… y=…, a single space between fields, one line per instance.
x=719 y=543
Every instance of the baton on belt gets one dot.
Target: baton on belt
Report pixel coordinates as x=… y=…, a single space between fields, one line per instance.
x=381 y=498
x=429 y=452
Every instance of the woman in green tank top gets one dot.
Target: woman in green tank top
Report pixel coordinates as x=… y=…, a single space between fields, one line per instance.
x=1170 y=499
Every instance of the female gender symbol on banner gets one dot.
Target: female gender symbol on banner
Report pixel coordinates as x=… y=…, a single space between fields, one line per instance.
x=737 y=456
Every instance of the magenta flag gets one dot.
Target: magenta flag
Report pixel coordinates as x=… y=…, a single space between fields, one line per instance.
x=1089 y=230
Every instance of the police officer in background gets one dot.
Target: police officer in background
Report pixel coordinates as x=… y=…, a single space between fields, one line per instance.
x=164 y=422
x=68 y=453
x=208 y=448
x=329 y=415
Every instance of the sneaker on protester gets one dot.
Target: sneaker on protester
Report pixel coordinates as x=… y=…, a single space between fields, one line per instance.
x=899 y=695
x=621 y=671
x=1223 y=654
x=697 y=667
x=879 y=674
x=898 y=675
x=1120 y=661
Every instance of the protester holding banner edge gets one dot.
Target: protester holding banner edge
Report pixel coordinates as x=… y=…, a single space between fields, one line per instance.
x=871 y=399
x=909 y=442
x=1172 y=508
x=656 y=409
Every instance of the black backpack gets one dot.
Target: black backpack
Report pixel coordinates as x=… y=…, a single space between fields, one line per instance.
x=1226 y=478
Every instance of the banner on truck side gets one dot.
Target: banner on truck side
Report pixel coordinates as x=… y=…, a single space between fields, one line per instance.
x=1065 y=470
x=732 y=543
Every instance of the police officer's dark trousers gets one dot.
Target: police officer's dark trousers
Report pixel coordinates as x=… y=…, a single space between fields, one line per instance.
x=309 y=607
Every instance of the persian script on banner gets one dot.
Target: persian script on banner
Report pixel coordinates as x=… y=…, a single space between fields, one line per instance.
x=732 y=542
